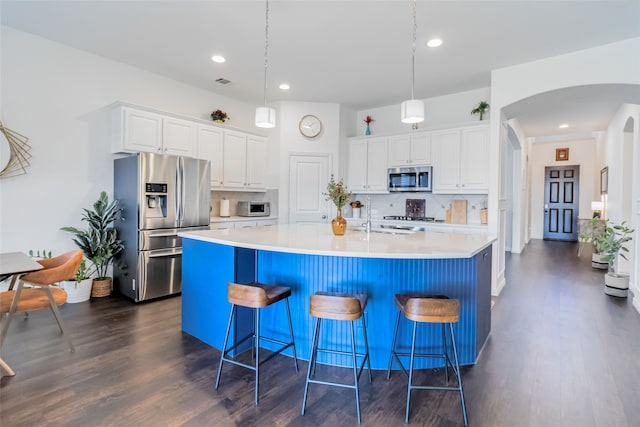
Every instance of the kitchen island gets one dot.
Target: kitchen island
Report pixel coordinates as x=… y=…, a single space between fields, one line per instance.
x=309 y=258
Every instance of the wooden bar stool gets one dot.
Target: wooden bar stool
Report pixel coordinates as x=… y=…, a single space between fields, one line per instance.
x=338 y=306
x=428 y=309
x=256 y=296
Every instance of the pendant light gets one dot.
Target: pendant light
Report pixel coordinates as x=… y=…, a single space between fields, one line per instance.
x=266 y=116
x=412 y=111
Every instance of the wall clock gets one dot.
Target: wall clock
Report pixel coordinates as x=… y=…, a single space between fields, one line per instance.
x=310 y=126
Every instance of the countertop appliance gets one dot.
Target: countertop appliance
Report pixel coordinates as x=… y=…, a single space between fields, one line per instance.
x=245 y=208
x=410 y=179
x=410 y=218
x=159 y=196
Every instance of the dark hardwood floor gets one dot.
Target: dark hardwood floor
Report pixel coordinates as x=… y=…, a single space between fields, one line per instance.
x=561 y=353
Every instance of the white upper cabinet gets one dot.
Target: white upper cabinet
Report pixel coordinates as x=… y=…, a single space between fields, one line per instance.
x=410 y=150
x=209 y=146
x=139 y=130
x=460 y=160
x=178 y=137
x=238 y=159
x=245 y=162
x=368 y=165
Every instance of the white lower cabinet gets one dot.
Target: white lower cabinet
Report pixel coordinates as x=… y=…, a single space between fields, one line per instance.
x=242 y=224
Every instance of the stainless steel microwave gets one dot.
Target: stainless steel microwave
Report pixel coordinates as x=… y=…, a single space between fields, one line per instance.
x=410 y=179
x=253 y=208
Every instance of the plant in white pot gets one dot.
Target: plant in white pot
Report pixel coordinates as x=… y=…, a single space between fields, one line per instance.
x=99 y=241
x=592 y=232
x=79 y=287
x=613 y=243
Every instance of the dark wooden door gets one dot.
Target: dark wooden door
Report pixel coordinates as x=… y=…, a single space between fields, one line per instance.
x=561 y=201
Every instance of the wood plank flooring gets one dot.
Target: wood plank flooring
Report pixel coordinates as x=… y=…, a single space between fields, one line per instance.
x=561 y=353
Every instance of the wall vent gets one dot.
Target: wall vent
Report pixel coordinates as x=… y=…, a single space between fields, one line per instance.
x=223 y=81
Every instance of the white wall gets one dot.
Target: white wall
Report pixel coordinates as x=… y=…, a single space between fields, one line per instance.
x=292 y=142
x=55 y=95
x=440 y=111
x=581 y=153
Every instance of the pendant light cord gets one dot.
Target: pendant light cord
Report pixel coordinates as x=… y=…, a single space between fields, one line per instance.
x=413 y=50
x=266 y=50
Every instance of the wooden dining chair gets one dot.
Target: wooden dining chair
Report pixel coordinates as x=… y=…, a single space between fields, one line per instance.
x=40 y=294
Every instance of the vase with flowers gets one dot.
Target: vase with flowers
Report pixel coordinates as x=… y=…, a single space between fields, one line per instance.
x=339 y=195
x=368 y=121
x=219 y=116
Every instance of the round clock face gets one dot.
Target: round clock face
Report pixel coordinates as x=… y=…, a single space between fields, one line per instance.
x=310 y=126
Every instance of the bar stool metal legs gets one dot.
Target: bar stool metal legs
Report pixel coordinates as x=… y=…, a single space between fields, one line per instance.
x=315 y=349
x=276 y=294
x=428 y=310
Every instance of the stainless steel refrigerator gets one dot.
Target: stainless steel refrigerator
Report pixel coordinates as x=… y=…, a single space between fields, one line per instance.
x=160 y=196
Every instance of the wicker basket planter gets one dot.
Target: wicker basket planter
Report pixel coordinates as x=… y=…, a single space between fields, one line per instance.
x=101 y=287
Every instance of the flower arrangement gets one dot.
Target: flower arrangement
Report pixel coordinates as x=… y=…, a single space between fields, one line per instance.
x=219 y=116
x=368 y=120
x=337 y=192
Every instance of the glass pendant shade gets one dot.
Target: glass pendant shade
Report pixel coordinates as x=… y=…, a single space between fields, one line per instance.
x=412 y=111
x=265 y=117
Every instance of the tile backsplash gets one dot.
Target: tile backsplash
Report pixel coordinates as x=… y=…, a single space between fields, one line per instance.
x=435 y=204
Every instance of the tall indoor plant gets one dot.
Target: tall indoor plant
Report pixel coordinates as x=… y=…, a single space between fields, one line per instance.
x=339 y=195
x=99 y=241
x=612 y=243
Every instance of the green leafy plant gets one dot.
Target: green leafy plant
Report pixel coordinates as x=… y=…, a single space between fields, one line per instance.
x=612 y=242
x=44 y=254
x=337 y=192
x=592 y=232
x=99 y=241
x=481 y=109
x=83 y=272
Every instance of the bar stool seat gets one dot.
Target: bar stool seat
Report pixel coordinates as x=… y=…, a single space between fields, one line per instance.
x=340 y=307
x=255 y=296
x=421 y=308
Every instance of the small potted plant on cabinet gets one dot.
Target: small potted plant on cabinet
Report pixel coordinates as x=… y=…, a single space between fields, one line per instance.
x=79 y=287
x=613 y=244
x=593 y=230
x=99 y=241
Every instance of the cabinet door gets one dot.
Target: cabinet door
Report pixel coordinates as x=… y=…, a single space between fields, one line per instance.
x=178 y=137
x=474 y=160
x=209 y=146
x=399 y=150
x=446 y=161
x=358 y=165
x=256 y=163
x=420 y=149
x=377 y=165
x=142 y=131
x=235 y=160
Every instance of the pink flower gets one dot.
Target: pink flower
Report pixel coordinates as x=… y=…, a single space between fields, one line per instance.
x=368 y=119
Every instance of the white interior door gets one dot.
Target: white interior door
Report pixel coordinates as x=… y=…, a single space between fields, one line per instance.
x=308 y=178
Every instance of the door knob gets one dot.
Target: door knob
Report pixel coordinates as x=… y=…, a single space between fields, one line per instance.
x=324 y=217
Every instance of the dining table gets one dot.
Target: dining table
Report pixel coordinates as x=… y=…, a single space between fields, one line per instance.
x=14 y=264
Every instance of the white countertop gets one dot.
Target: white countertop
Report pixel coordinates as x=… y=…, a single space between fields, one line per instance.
x=318 y=239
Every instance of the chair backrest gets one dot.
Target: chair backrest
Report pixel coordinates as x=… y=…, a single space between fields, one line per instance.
x=432 y=310
x=57 y=269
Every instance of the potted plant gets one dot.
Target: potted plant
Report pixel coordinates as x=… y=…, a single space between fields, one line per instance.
x=339 y=195
x=79 y=287
x=591 y=233
x=219 y=116
x=99 y=241
x=612 y=243
x=481 y=109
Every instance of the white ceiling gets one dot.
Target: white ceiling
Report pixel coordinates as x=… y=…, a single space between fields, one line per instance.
x=356 y=53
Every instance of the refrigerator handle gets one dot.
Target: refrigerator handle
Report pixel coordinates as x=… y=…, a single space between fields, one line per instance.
x=183 y=193
x=177 y=196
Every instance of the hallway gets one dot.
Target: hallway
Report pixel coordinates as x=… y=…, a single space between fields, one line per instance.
x=561 y=353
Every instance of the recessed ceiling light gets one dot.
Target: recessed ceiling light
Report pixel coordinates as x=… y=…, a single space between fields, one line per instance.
x=284 y=86
x=218 y=59
x=563 y=126
x=434 y=42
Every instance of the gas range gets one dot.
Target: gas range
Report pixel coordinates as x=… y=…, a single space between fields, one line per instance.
x=409 y=218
